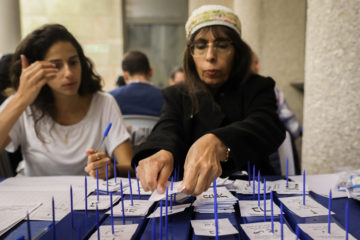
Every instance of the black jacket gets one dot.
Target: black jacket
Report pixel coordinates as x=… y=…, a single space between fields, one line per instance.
x=243 y=117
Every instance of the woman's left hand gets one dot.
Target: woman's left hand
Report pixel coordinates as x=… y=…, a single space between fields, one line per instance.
x=98 y=160
x=202 y=164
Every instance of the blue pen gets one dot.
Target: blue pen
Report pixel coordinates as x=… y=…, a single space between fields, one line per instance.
x=53 y=218
x=131 y=196
x=264 y=200
x=111 y=214
x=97 y=184
x=115 y=168
x=215 y=210
x=304 y=188
x=85 y=196
x=175 y=177
x=28 y=225
x=272 y=212
x=107 y=178
x=287 y=172
x=138 y=185
x=258 y=193
x=97 y=222
x=71 y=207
x=161 y=217
x=104 y=136
x=347 y=220
x=281 y=221
x=329 y=216
x=166 y=209
x=254 y=182
x=122 y=202
x=171 y=195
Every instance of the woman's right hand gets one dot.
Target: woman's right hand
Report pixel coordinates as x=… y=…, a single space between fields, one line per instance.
x=33 y=78
x=154 y=171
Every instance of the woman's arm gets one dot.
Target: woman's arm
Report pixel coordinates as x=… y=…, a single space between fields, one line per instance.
x=32 y=79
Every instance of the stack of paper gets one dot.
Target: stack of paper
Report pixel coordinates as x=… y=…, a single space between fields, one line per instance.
x=204 y=203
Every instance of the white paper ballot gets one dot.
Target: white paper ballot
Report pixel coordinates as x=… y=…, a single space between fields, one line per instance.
x=155 y=196
x=103 y=203
x=262 y=231
x=175 y=209
x=113 y=186
x=139 y=208
x=207 y=227
x=320 y=231
x=243 y=187
x=204 y=203
x=292 y=188
x=251 y=208
x=134 y=187
x=124 y=232
x=310 y=209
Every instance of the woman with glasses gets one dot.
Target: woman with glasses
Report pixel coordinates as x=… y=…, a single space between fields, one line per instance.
x=222 y=117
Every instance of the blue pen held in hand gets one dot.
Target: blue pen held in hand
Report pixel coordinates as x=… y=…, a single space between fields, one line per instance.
x=98 y=147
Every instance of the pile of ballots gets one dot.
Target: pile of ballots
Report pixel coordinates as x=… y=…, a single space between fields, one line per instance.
x=204 y=203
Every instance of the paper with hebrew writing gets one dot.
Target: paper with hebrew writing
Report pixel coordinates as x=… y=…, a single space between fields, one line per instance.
x=250 y=208
x=243 y=187
x=207 y=227
x=175 y=209
x=156 y=196
x=262 y=231
x=139 y=208
x=320 y=231
x=123 y=232
x=310 y=209
x=103 y=203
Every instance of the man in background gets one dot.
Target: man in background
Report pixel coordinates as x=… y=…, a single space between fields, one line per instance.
x=138 y=96
x=177 y=76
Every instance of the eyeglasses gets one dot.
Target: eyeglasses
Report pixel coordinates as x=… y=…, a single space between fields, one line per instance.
x=221 y=47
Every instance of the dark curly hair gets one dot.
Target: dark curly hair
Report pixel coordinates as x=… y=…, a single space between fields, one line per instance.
x=35 y=47
x=240 y=70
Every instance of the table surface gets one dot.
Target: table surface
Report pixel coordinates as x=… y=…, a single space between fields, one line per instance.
x=182 y=220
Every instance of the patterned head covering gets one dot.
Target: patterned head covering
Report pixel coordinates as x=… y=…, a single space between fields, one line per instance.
x=210 y=15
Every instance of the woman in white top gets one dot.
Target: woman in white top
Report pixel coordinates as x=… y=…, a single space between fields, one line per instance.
x=58 y=114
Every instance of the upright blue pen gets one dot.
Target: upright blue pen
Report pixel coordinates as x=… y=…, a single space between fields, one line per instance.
x=107 y=178
x=347 y=220
x=138 y=185
x=131 y=196
x=97 y=184
x=115 y=168
x=254 y=182
x=281 y=221
x=304 y=188
x=175 y=177
x=329 y=216
x=161 y=218
x=166 y=209
x=259 y=183
x=85 y=196
x=28 y=225
x=264 y=200
x=287 y=172
x=215 y=211
x=111 y=214
x=53 y=217
x=171 y=195
x=71 y=207
x=272 y=211
x=122 y=202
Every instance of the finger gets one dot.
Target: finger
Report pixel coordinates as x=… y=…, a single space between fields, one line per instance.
x=89 y=151
x=164 y=175
x=191 y=175
x=149 y=177
x=24 y=62
x=203 y=182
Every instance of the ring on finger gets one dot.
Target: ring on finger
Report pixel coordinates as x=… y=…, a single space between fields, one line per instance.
x=97 y=156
